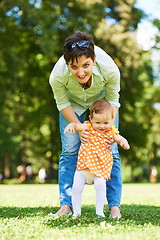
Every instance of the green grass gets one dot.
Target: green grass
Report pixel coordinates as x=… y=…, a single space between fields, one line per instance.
x=24 y=209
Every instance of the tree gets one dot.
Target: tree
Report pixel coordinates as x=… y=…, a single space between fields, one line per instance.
x=33 y=33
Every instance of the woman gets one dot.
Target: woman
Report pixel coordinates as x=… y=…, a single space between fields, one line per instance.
x=83 y=74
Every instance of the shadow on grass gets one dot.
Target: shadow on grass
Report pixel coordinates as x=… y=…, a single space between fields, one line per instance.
x=14 y=212
x=132 y=215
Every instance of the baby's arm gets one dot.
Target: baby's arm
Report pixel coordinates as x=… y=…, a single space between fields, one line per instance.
x=121 y=141
x=72 y=127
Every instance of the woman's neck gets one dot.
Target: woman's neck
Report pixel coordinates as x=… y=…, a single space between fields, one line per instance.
x=87 y=84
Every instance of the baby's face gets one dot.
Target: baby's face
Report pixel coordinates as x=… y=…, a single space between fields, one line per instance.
x=101 y=122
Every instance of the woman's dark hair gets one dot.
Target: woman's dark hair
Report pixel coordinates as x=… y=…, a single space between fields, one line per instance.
x=77 y=51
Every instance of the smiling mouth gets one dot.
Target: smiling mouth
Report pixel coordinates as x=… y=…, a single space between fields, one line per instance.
x=102 y=130
x=82 y=77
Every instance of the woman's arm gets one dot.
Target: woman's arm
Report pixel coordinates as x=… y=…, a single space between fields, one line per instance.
x=115 y=109
x=69 y=114
x=111 y=75
x=58 y=80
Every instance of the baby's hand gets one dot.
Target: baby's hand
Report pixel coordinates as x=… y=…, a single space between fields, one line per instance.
x=124 y=144
x=70 y=128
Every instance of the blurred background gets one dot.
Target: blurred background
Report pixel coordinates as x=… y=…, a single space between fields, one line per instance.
x=32 y=33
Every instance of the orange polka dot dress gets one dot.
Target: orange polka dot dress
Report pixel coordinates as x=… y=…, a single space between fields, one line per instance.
x=95 y=156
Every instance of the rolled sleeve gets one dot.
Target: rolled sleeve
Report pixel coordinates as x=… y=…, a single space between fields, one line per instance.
x=111 y=75
x=57 y=83
x=113 y=87
x=60 y=95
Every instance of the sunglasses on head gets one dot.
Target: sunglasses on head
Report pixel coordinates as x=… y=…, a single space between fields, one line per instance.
x=81 y=44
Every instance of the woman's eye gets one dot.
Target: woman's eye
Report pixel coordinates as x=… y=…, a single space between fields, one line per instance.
x=86 y=65
x=74 y=67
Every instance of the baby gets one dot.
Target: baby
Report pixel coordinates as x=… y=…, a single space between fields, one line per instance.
x=95 y=157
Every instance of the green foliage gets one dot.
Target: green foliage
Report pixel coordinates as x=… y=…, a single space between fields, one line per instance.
x=32 y=36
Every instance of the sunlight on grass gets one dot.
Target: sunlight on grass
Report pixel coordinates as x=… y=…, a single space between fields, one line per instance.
x=24 y=210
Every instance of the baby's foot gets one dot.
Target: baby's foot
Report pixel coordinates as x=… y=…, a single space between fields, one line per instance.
x=76 y=215
x=100 y=216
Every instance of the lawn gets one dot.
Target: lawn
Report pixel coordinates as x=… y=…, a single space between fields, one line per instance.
x=24 y=209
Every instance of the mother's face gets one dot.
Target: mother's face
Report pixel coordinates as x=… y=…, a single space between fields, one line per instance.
x=81 y=68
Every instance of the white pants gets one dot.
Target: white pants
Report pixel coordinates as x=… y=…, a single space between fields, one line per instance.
x=80 y=178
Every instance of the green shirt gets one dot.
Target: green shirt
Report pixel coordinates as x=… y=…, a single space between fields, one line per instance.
x=105 y=84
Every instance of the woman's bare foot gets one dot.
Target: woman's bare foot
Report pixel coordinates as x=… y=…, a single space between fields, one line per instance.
x=115 y=212
x=64 y=210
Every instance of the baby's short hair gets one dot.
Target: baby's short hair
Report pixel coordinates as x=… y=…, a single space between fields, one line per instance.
x=100 y=106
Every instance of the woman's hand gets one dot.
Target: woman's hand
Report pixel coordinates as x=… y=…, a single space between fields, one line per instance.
x=84 y=136
x=109 y=142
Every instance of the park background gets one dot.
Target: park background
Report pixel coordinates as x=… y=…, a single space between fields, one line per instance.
x=32 y=33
